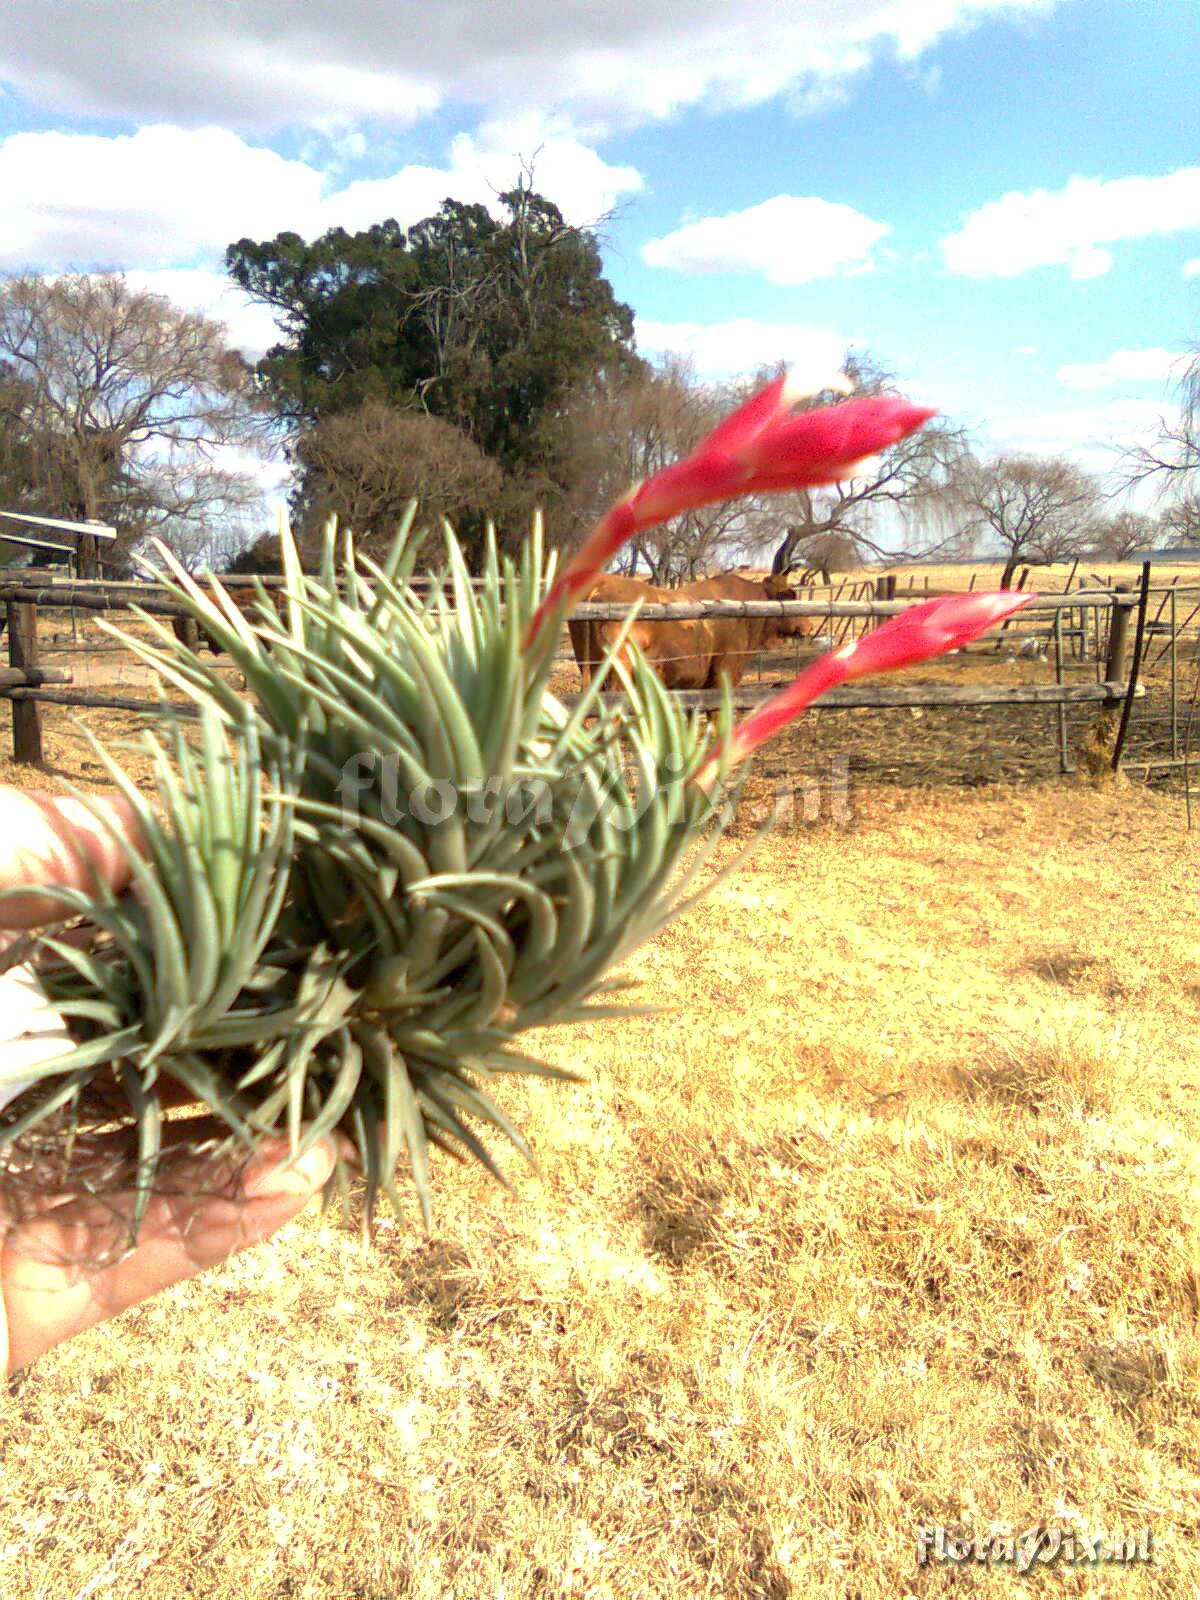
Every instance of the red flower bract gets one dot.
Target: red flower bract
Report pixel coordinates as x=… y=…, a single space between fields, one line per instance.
x=915 y=635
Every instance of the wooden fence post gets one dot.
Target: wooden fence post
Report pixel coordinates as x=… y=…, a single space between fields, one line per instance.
x=1064 y=753
x=22 y=653
x=1118 y=640
x=188 y=633
x=1174 y=675
x=1134 y=666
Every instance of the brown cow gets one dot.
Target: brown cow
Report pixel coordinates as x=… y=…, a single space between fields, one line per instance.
x=193 y=634
x=667 y=645
x=735 y=641
x=690 y=654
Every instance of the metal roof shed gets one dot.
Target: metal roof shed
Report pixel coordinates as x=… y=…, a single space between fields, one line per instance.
x=91 y=530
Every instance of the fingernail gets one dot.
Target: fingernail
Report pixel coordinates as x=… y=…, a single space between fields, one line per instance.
x=274 y=1172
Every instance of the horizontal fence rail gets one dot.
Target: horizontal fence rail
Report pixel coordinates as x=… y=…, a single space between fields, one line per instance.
x=926 y=696
x=69 y=600
x=679 y=611
x=124 y=597
x=81 y=700
x=32 y=677
x=856 y=699
x=1097 y=623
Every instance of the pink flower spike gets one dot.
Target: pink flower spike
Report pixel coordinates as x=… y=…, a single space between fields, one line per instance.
x=761 y=411
x=918 y=634
x=828 y=444
x=931 y=629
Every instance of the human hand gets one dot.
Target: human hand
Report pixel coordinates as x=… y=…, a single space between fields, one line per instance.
x=50 y=1284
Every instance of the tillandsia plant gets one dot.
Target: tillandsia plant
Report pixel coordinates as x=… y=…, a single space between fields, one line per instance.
x=365 y=878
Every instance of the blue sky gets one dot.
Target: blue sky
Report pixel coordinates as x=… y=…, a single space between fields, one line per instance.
x=999 y=199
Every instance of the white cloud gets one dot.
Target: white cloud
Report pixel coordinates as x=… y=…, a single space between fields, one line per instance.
x=1091 y=435
x=250 y=65
x=1070 y=226
x=729 y=349
x=266 y=64
x=789 y=239
x=271 y=475
x=160 y=197
x=173 y=197
x=1191 y=269
x=251 y=327
x=1129 y=366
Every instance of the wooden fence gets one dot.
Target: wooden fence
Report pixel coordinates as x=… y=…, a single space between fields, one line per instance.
x=1093 y=623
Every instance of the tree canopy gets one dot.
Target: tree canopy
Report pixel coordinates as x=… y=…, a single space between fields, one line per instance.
x=115 y=406
x=483 y=323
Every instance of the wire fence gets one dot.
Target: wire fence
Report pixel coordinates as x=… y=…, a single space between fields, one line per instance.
x=1032 y=699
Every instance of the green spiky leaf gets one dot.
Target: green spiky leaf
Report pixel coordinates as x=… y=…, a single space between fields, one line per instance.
x=368 y=876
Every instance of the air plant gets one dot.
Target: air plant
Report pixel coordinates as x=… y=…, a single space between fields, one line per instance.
x=367 y=877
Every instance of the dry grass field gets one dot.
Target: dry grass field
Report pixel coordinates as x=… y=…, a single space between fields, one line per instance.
x=889 y=1220
x=1048 y=579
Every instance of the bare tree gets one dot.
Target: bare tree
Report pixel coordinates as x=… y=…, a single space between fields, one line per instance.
x=216 y=548
x=134 y=411
x=625 y=426
x=1181 y=519
x=823 y=554
x=365 y=465
x=623 y=430
x=1120 y=536
x=1173 y=459
x=1035 y=509
x=19 y=454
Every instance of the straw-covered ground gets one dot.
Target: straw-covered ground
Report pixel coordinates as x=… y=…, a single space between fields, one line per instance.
x=889 y=1221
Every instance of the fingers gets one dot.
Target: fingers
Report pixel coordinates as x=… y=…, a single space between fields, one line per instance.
x=48 y=1290
x=49 y=1296
x=56 y=839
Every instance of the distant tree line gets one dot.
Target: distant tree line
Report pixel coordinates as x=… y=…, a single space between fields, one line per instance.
x=117 y=407
x=480 y=362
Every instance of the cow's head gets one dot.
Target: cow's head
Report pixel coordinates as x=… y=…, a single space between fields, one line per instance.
x=779 y=586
